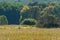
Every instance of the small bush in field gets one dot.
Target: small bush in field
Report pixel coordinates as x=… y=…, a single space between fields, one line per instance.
x=3 y=20
x=29 y=22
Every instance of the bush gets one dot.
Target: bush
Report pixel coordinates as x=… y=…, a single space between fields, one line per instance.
x=29 y=22
x=3 y=20
x=48 y=21
x=51 y=25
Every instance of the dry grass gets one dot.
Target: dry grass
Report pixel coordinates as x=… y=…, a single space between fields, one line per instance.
x=12 y=32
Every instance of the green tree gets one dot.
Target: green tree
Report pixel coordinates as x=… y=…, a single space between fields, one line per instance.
x=48 y=21
x=3 y=20
x=11 y=10
x=31 y=12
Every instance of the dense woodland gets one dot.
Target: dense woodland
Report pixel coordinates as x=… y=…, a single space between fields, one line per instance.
x=36 y=13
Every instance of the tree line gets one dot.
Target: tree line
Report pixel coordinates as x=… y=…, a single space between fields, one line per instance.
x=39 y=14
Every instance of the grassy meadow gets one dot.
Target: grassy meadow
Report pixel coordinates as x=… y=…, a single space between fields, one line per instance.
x=42 y=16
x=12 y=32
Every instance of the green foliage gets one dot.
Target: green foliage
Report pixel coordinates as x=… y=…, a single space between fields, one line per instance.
x=46 y=14
x=3 y=20
x=48 y=21
x=32 y=12
x=11 y=10
x=29 y=22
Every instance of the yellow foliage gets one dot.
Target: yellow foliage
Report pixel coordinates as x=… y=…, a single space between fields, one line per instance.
x=25 y=8
x=49 y=7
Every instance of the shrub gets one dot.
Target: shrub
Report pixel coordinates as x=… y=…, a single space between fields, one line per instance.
x=51 y=22
x=29 y=22
x=51 y=25
x=3 y=20
x=48 y=21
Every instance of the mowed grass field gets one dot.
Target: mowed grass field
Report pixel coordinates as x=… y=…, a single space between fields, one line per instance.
x=12 y=32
